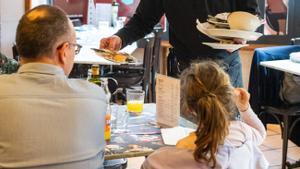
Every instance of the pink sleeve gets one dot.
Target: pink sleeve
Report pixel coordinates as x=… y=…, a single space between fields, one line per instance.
x=257 y=129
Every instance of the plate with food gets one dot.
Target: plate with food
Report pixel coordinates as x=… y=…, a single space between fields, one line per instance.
x=220 y=20
x=202 y=27
x=118 y=57
x=218 y=24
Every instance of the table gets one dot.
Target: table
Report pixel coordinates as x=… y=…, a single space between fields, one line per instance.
x=142 y=132
x=283 y=65
x=88 y=56
x=89 y=37
x=143 y=135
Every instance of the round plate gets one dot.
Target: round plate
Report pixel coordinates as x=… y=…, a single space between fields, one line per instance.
x=219 y=24
x=231 y=33
x=225 y=46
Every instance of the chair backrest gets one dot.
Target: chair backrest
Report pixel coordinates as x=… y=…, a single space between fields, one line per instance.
x=147 y=65
x=155 y=59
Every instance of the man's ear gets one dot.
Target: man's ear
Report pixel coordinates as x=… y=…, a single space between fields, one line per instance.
x=62 y=54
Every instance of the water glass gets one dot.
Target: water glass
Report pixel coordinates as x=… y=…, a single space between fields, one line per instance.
x=119 y=118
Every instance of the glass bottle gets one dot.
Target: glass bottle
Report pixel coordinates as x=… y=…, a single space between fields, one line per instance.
x=89 y=74
x=107 y=131
x=114 y=12
x=95 y=77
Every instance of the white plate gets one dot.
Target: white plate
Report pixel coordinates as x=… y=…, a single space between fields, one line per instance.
x=219 y=24
x=224 y=46
x=230 y=33
x=202 y=27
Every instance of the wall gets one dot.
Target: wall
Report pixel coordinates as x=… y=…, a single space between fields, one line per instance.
x=79 y=7
x=10 y=13
x=35 y=3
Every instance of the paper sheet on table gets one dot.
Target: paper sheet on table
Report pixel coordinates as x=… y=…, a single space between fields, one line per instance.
x=172 y=135
x=167 y=101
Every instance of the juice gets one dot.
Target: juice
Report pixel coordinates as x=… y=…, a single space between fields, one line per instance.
x=135 y=107
x=107 y=132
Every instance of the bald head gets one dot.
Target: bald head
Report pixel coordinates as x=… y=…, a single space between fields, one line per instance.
x=40 y=30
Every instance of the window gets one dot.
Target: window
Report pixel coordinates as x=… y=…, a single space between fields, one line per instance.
x=276 y=17
x=281 y=21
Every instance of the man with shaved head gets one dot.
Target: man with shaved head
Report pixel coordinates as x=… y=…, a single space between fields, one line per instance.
x=47 y=120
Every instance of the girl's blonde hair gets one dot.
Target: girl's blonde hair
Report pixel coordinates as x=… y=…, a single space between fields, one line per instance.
x=208 y=94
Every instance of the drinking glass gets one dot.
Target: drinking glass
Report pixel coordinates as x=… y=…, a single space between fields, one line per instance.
x=119 y=119
x=135 y=101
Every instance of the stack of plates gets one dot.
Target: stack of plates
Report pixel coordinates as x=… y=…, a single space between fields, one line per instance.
x=219 y=21
x=224 y=35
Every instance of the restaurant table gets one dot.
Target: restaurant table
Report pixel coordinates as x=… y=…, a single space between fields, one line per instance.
x=283 y=65
x=142 y=136
x=89 y=37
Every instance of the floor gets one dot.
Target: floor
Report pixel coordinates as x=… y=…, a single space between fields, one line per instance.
x=271 y=148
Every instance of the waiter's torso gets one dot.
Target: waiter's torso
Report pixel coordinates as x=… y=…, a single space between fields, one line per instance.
x=182 y=16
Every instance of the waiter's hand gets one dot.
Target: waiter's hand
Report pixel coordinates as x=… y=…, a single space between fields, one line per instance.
x=113 y=43
x=237 y=41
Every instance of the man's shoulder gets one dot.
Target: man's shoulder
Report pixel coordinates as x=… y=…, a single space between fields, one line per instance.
x=87 y=87
x=6 y=78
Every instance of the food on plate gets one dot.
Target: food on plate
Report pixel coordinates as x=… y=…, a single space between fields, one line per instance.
x=119 y=57
x=219 y=21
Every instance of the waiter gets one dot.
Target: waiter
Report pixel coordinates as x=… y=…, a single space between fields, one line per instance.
x=183 y=34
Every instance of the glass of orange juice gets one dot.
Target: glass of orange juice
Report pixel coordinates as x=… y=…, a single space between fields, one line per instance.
x=135 y=101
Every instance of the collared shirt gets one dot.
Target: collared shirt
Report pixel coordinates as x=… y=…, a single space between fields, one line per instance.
x=181 y=16
x=48 y=119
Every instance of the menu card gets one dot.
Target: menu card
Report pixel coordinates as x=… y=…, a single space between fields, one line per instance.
x=167 y=101
x=172 y=135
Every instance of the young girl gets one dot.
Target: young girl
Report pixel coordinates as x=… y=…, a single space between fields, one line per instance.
x=217 y=142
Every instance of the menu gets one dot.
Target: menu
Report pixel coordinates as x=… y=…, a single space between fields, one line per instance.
x=167 y=101
x=172 y=135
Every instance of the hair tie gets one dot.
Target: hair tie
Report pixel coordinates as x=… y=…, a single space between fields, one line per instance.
x=209 y=94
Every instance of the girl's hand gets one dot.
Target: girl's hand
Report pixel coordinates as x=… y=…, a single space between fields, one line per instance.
x=241 y=99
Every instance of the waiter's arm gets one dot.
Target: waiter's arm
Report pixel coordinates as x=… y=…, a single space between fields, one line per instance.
x=147 y=15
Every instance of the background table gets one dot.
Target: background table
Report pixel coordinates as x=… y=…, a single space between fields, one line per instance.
x=283 y=65
x=89 y=37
